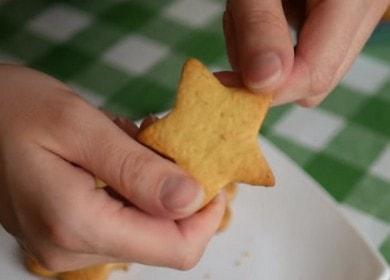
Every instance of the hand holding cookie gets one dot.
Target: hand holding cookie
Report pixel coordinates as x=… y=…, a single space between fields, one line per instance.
x=51 y=143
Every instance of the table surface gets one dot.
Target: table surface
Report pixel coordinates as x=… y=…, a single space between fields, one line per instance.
x=126 y=57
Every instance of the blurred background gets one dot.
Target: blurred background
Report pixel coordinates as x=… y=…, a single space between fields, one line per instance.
x=126 y=56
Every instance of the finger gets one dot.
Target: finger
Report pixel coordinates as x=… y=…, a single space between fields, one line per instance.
x=156 y=241
x=331 y=37
x=229 y=79
x=59 y=199
x=127 y=126
x=294 y=11
x=202 y=227
x=265 y=49
x=132 y=236
x=58 y=260
x=89 y=139
x=311 y=102
x=366 y=27
x=109 y=114
x=80 y=219
x=230 y=39
x=8 y=217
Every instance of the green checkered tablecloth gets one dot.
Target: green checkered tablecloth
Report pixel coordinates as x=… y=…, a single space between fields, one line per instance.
x=126 y=56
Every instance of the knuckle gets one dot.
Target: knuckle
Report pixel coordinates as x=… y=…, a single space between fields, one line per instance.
x=321 y=81
x=59 y=235
x=307 y=103
x=132 y=167
x=319 y=76
x=68 y=114
x=50 y=260
x=188 y=259
x=70 y=106
x=187 y=262
x=257 y=18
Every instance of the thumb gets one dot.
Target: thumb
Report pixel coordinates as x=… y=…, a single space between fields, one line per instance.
x=265 y=50
x=147 y=180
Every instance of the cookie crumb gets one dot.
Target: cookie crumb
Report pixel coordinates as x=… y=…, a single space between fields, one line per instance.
x=246 y=254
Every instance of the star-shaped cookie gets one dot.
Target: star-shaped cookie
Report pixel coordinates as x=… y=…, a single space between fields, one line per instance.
x=212 y=132
x=97 y=272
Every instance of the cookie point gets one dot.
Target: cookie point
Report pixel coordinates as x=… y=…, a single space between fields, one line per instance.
x=192 y=60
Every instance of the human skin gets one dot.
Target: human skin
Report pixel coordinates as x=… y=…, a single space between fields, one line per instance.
x=330 y=34
x=52 y=144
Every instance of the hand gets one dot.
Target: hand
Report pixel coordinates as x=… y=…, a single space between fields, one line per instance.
x=51 y=142
x=330 y=36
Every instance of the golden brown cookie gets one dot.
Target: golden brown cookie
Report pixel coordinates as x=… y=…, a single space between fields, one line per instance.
x=33 y=266
x=386 y=16
x=212 y=132
x=227 y=217
x=97 y=272
x=230 y=191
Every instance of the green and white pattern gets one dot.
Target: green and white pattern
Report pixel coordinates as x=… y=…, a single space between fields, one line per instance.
x=126 y=56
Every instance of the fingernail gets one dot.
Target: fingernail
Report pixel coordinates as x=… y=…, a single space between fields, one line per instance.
x=263 y=71
x=180 y=194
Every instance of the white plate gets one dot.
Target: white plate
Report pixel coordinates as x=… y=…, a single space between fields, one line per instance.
x=293 y=231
